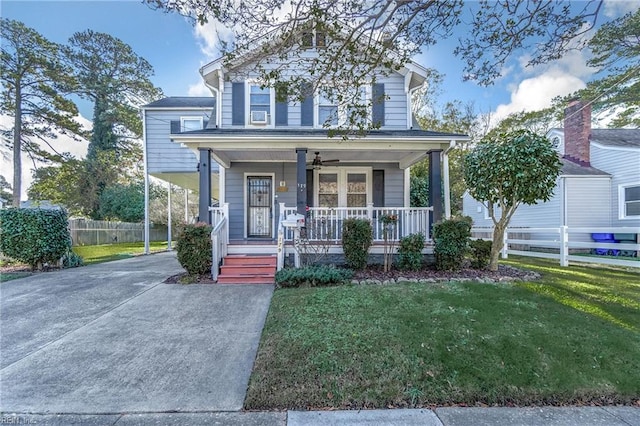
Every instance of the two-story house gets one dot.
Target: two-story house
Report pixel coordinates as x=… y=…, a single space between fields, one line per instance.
x=263 y=158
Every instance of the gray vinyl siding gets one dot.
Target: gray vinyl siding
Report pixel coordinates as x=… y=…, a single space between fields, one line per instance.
x=588 y=202
x=163 y=155
x=235 y=187
x=624 y=168
x=395 y=104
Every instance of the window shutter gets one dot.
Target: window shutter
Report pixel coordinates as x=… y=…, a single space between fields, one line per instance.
x=310 y=188
x=282 y=113
x=237 y=104
x=378 y=188
x=175 y=127
x=306 y=108
x=377 y=97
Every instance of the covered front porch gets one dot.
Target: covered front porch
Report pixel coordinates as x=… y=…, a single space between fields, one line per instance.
x=266 y=176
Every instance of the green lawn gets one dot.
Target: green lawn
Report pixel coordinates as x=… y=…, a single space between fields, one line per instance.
x=571 y=337
x=109 y=252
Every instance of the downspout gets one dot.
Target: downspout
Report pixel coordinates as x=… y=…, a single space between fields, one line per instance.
x=145 y=161
x=445 y=179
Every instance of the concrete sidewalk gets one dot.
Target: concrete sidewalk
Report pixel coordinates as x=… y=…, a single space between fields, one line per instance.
x=492 y=416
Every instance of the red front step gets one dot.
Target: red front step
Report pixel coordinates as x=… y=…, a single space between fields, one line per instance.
x=247 y=269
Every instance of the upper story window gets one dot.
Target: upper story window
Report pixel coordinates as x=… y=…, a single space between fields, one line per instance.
x=259 y=105
x=629 y=202
x=332 y=111
x=327 y=110
x=314 y=39
x=188 y=124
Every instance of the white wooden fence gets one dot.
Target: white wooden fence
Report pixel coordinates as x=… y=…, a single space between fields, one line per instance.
x=567 y=244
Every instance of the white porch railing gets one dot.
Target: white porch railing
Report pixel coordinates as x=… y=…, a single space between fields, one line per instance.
x=557 y=243
x=219 y=237
x=219 y=244
x=325 y=224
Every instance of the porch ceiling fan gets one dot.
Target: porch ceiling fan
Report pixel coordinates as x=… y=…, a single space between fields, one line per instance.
x=318 y=162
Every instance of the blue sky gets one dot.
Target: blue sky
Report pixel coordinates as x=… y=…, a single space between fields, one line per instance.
x=176 y=49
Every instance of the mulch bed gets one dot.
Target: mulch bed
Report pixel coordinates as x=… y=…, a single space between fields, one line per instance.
x=374 y=274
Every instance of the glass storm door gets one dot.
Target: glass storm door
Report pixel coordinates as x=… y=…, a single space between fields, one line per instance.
x=259 y=207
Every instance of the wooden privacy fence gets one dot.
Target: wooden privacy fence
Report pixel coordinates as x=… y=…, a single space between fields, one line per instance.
x=95 y=232
x=571 y=244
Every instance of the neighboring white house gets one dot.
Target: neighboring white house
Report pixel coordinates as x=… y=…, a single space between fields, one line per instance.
x=245 y=149
x=599 y=185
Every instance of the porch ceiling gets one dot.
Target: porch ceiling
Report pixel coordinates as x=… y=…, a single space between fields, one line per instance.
x=405 y=151
x=189 y=181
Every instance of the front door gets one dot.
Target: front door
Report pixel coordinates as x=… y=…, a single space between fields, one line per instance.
x=259 y=206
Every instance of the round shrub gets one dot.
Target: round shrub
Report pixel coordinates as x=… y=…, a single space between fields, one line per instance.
x=194 y=248
x=34 y=236
x=357 y=237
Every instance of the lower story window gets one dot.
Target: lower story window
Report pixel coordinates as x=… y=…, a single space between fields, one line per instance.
x=343 y=187
x=630 y=201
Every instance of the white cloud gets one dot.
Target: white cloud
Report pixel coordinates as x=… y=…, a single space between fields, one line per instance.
x=545 y=82
x=615 y=8
x=209 y=37
x=537 y=92
x=198 y=89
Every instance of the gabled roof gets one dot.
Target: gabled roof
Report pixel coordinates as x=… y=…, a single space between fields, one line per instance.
x=183 y=102
x=569 y=168
x=621 y=138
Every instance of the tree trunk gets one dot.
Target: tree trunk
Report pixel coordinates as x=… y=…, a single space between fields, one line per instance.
x=496 y=245
x=17 y=148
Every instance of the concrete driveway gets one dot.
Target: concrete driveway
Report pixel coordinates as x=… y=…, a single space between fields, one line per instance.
x=111 y=338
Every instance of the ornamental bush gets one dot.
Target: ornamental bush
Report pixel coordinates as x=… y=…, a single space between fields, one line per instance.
x=480 y=253
x=410 y=252
x=451 y=242
x=312 y=276
x=357 y=236
x=34 y=236
x=193 y=247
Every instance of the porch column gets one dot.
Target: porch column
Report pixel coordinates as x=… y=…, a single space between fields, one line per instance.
x=301 y=178
x=204 y=167
x=435 y=185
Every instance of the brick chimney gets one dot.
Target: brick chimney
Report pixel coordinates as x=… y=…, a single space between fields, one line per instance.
x=577 y=130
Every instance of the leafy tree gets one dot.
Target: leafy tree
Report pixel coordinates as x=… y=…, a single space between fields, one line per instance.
x=616 y=52
x=509 y=170
x=536 y=121
x=123 y=202
x=117 y=81
x=359 y=37
x=5 y=190
x=35 y=80
x=61 y=184
x=453 y=117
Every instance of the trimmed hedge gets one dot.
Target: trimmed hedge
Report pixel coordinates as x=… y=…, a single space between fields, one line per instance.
x=410 y=252
x=451 y=242
x=312 y=276
x=193 y=247
x=34 y=236
x=480 y=253
x=357 y=237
